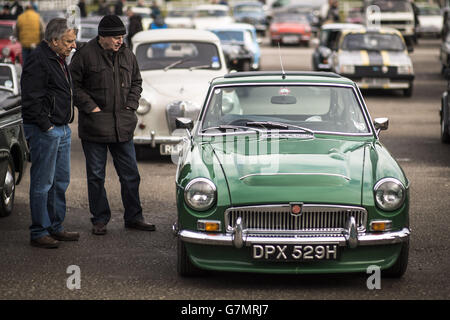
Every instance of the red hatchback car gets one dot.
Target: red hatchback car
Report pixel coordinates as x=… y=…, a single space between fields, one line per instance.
x=290 y=28
x=10 y=48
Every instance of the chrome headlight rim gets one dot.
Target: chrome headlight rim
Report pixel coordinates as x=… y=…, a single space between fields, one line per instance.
x=389 y=207
x=209 y=204
x=144 y=106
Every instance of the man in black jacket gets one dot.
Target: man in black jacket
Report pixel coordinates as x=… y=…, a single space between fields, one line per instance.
x=108 y=86
x=47 y=109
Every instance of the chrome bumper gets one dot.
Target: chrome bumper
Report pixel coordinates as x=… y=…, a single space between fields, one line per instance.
x=154 y=140
x=240 y=237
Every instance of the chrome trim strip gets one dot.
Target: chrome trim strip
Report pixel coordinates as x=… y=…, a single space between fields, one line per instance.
x=365 y=239
x=157 y=140
x=296 y=174
x=362 y=105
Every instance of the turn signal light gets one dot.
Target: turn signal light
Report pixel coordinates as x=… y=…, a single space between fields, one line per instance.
x=381 y=225
x=206 y=225
x=142 y=126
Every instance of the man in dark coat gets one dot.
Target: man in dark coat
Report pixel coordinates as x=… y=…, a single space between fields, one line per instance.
x=47 y=109
x=107 y=88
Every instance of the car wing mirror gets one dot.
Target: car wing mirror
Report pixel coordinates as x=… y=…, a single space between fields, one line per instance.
x=381 y=124
x=184 y=123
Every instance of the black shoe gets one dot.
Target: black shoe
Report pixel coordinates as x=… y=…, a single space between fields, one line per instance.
x=99 y=229
x=66 y=236
x=140 y=225
x=45 y=242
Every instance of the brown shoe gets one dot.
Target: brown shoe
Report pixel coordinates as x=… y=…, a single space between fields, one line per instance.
x=66 y=236
x=45 y=242
x=99 y=229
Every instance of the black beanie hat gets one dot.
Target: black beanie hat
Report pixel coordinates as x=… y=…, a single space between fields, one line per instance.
x=111 y=25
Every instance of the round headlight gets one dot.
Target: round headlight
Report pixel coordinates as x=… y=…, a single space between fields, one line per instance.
x=390 y=194
x=200 y=194
x=144 y=106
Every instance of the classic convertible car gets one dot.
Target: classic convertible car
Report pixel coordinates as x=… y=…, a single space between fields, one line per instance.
x=176 y=66
x=285 y=173
x=14 y=152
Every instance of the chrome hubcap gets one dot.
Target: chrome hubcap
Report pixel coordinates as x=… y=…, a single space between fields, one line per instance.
x=8 y=189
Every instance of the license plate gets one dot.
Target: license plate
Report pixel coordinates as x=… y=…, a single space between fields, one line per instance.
x=169 y=149
x=290 y=39
x=375 y=81
x=288 y=252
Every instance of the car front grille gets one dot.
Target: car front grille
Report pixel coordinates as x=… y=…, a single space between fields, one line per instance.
x=313 y=218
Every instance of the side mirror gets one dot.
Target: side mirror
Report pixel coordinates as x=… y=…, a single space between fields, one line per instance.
x=315 y=42
x=381 y=124
x=184 y=123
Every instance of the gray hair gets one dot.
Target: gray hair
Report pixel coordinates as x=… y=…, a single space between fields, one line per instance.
x=56 y=28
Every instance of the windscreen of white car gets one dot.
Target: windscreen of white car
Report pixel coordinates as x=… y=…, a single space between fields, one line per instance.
x=393 y=6
x=330 y=109
x=372 y=41
x=177 y=55
x=210 y=13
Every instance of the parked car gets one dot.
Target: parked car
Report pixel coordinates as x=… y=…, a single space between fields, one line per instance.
x=240 y=46
x=290 y=28
x=375 y=58
x=10 y=48
x=431 y=21
x=444 y=112
x=328 y=36
x=253 y=13
x=285 y=173
x=397 y=14
x=87 y=31
x=180 y=18
x=212 y=15
x=14 y=149
x=444 y=53
x=176 y=66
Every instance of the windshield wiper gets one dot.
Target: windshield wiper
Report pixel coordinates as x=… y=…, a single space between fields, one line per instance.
x=277 y=125
x=224 y=127
x=174 y=64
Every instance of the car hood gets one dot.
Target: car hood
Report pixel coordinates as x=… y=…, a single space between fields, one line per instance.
x=165 y=83
x=311 y=170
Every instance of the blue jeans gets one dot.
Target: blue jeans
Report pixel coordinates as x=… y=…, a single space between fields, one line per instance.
x=124 y=159
x=49 y=177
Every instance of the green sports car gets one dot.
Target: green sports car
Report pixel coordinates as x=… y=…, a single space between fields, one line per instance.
x=285 y=173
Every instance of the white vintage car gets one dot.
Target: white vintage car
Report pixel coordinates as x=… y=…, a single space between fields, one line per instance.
x=176 y=67
x=212 y=15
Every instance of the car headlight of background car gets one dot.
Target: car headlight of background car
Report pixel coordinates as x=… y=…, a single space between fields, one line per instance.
x=390 y=194
x=144 y=107
x=200 y=194
x=405 y=69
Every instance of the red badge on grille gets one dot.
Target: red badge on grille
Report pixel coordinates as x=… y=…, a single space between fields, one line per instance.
x=296 y=209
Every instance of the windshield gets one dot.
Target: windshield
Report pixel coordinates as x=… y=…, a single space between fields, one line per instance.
x=429 y=11
x=393 y=6
x=180 y=13
x=316 y=108
x=373 y=41
x=6 y=32
x=290 y=17
x=211 y=13
x=246 y=8
x=177 y=55
x=229 y=36
x=6 y=77
x=88 y=32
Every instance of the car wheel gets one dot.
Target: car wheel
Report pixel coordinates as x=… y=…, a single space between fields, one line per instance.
x=185 y=268
x=408 y=92
x=445 y=135
x=398 y=269
x=246 y=65
x=8 y=191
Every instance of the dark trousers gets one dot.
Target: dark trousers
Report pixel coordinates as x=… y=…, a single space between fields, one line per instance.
x=124 y=159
